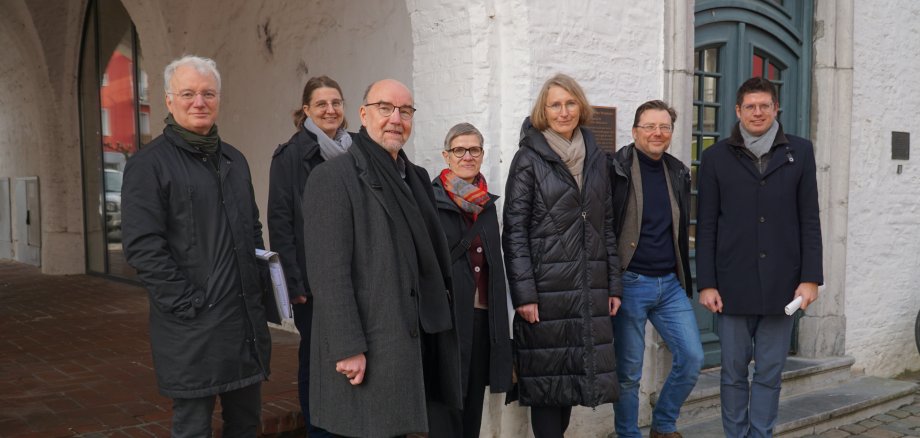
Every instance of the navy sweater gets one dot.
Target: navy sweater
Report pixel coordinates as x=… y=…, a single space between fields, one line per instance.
x=655 y=253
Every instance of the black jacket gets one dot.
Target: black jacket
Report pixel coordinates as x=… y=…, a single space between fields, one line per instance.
x=758 y=235
x=560 y=252
x=292 y=163
x=205 y=339
x=621 y=183
x=464 y=288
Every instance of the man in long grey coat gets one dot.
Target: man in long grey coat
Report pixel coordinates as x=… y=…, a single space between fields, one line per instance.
x=383 y=347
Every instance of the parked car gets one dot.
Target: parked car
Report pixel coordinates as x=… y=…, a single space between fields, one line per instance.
x=112 y=185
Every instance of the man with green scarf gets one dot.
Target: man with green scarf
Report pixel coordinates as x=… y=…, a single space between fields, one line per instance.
x=191 y=228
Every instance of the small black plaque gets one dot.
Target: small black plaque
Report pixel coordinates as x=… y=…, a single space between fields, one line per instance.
x=604 y=127
x=900 y=145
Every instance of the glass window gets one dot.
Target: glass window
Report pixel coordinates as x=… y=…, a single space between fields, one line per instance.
x=113 y=94
x=707 y=79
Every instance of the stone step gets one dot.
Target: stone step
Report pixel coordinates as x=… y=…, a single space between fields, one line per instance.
x=799 y=376
x=827 y=408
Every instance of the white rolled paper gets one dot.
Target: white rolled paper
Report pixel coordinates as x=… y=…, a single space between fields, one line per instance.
x=793 y=306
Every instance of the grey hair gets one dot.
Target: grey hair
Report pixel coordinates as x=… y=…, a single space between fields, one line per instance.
x=461 y=129
x=200 y=64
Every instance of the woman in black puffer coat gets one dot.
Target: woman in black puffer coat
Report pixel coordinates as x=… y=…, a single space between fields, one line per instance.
x=561 y=261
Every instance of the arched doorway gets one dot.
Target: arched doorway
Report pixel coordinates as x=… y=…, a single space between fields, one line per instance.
x=736 y=40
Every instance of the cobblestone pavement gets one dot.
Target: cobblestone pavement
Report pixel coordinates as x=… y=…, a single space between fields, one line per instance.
x=75 y=361
x=903 y=422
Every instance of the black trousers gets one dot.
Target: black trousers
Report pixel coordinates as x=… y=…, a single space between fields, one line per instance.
x=446 y=422
x=240 y=410
x=549 y=421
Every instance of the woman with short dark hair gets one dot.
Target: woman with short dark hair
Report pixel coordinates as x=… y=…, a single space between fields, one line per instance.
x=468 y=215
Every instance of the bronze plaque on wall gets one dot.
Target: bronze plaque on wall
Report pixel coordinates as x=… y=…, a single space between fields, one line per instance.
x=604 y=127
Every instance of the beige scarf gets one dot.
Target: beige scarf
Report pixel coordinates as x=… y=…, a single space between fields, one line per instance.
x=572 y=152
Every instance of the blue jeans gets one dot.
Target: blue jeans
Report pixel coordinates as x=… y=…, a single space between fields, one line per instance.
x=749 y=409
x=663 y=301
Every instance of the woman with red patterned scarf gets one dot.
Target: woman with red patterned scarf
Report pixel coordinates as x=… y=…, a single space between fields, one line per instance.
x=468 y=216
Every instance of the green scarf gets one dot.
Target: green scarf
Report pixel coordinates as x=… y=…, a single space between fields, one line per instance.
x=205 y=143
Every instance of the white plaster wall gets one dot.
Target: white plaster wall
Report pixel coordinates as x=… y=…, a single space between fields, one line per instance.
x=883 y=251
x=484 y=62
x=38 y=130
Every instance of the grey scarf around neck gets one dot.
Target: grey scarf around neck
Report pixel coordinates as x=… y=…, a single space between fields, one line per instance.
x=329 y=148
x=760 y=145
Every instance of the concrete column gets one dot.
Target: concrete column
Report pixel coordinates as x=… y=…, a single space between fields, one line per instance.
x=822 y=330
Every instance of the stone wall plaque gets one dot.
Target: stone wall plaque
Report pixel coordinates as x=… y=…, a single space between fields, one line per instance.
x=604 y=127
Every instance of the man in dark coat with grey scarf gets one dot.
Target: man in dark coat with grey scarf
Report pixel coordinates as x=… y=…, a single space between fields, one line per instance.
x=758 y=247
x=191 y=228
x=383 y=346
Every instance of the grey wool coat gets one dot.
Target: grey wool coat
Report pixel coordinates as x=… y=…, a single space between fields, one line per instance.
x=362 y=306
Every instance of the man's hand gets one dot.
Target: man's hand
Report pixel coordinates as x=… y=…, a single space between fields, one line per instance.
x=529 y=312
x=300 y=300
x=808 y=291
x=711 y=299
x=614 y=303
x=353 y=368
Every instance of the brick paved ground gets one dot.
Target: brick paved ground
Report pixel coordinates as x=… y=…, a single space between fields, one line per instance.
x=75 y=361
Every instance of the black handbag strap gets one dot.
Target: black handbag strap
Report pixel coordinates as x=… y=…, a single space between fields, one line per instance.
x=464 y=244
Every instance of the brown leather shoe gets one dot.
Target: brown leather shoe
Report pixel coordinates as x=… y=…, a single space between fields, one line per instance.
x=657 y=434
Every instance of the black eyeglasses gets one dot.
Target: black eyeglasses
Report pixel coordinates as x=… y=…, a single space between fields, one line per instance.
x=386 y=108
x=474 y=151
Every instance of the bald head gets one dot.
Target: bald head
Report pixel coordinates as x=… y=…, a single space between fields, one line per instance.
x=391 y=131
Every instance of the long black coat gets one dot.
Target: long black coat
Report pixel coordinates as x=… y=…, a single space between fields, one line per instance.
x=621 y=182
x=292 y=163
x=758 y=235
x=560 y=252
x=362 y=305
x=204 y=340
x=464 y=288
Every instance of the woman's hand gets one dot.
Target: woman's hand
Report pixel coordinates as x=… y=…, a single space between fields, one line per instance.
x=529 y=312
x=614 y=303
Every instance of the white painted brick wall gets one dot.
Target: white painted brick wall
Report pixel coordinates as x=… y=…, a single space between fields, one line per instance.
x=883 y=248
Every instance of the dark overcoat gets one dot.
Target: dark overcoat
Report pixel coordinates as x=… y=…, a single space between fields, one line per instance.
x=205 y=340
x=292 y=163
x=464 y=288
x=758 y=234
x=363 y=306
x=560 y=252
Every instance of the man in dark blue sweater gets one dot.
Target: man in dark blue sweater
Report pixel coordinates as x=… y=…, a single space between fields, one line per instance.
x=651 y=198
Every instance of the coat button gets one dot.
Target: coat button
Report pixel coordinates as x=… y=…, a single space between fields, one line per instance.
x=763 y=182
x=632 y=244
x=763 y=255
x=763 y=219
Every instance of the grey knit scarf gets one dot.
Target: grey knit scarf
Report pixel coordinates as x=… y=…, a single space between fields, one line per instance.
x=762 y=144
x=329 y=148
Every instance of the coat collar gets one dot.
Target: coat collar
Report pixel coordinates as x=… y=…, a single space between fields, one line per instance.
x=736 y=142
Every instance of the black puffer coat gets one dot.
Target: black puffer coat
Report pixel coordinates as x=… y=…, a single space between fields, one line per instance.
x=560 y=252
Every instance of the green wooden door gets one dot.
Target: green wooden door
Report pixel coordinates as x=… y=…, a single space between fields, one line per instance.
x=736 y=40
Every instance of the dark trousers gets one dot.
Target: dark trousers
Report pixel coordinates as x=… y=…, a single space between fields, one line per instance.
x=240 y=410
x=303 y=319
x=447 y=422
x=749 y=408
x=549 y=421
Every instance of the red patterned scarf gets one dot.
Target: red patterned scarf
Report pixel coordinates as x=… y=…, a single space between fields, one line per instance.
x=469 y=197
